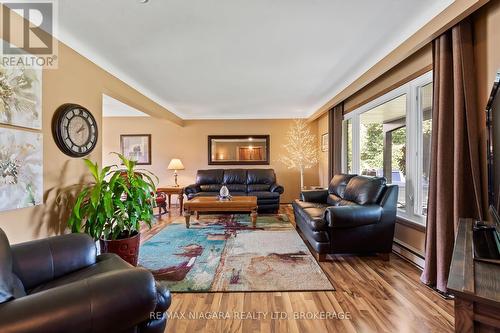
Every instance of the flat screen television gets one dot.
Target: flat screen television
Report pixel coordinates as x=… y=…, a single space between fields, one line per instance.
x=486 y=237
x=493 y=125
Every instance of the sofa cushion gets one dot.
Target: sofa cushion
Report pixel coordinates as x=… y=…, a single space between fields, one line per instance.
x=333 y=200
x=304 y=204
x=106 y=262
x=365 y=190
x=236 y=188
x=265 y=195
x=258 y=188
x=235 y=176
x=10 y=285
x=206 y=177
x=211 y=188
x=314 y=216
x=261 y=176
x=338 y=184
x=205 y=194
x=238 y=194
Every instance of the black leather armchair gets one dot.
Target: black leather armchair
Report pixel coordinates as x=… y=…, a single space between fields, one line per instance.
x=58 y=284
x=240 y=182
x=356 y=214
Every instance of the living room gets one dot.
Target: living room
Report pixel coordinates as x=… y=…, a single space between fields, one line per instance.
x=285 y=167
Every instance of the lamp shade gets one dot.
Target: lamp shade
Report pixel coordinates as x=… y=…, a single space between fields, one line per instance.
x=175 y=164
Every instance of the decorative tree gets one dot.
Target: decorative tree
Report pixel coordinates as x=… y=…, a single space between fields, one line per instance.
x=302 y=149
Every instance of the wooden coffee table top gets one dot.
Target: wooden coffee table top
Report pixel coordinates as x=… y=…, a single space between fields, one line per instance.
x=214 y=202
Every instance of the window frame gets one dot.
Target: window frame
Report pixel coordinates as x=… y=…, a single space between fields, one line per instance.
x=414 y=142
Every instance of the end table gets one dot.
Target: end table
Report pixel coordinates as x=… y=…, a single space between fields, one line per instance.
x=168 y=191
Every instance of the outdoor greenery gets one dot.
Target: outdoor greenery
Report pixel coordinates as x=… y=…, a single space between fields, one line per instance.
x=372 y=148
x=116 y=202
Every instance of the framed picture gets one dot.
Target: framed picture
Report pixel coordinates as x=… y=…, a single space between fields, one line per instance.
x=136 y=147
x=21 y=162
x=324 y=142
x=21 y=96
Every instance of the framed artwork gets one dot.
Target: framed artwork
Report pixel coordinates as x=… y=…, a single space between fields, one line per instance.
x=136 y=147
x=21 y=96
x=21 y=169
x=324 y=142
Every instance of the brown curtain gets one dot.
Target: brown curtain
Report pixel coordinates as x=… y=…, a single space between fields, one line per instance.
x=335 y=117
x=455 y=179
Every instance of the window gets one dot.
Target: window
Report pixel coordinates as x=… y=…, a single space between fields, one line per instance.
x=348 y=145
x=390 y=137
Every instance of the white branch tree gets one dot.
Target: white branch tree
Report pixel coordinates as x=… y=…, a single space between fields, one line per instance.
x=301 y=148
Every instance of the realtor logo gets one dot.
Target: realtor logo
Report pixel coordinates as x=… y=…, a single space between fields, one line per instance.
x=28 y=28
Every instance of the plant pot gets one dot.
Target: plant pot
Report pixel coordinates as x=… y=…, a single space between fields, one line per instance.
x=126 y=248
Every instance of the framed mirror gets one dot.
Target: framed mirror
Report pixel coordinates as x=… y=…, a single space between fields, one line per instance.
x=238 y=149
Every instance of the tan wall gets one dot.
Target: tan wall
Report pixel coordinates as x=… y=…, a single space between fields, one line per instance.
x=189 y=143
x=77 y=80
x=487 y=59
x=322 y=123
x=412 y=67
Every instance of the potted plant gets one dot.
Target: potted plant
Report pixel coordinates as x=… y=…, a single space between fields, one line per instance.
x=112 y=207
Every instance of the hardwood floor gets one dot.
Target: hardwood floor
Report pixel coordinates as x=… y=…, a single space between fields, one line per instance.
x=372 y=295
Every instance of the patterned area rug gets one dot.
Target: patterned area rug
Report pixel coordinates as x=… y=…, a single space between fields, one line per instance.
x=224 y=253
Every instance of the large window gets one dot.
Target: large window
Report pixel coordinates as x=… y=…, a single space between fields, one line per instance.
x=390 y=137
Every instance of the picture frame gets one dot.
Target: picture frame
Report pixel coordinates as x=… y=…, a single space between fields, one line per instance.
x=324 y=142
x=239 y=150
x=136 y=147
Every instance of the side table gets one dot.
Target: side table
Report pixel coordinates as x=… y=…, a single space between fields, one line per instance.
x=168 y=191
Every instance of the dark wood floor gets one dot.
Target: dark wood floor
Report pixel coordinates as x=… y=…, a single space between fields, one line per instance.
x=371 y=295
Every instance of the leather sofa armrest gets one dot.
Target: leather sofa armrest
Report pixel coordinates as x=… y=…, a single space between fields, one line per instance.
x=108 y=302
x=191 y=189
x=39 y=261
x=352 y=216
x=317 y=196
x=277 y=188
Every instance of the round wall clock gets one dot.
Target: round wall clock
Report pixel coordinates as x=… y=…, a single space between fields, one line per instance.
x=75 y=130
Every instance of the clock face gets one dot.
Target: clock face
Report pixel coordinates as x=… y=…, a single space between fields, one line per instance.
x=75 y=130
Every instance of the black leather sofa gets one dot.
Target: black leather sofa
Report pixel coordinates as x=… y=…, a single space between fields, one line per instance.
x=58 y=284
x=256 y=182
x=356 y=214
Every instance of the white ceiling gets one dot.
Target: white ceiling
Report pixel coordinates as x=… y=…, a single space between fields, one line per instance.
x=240 y=59
x=114 y=108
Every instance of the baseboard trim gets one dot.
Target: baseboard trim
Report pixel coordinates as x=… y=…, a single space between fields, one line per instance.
x=409 y=253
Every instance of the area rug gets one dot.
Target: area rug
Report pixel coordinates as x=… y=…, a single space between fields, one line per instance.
x=221 y=253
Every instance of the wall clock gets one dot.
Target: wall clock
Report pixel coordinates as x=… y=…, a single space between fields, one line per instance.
x=75 y=130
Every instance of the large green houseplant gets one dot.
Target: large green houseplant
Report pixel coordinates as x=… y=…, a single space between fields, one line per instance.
x=112 y=207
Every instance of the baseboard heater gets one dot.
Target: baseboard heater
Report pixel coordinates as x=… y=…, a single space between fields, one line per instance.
x=406 y=252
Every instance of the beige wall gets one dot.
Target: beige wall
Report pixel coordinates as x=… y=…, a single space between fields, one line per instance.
x=487 y=59
x=189 y=143
x=322 y=124
x=77 y=80
x=414 y=66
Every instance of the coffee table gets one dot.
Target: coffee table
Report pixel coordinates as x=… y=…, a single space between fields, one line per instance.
x=213 y=204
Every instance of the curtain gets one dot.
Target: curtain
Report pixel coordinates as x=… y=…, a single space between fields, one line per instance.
x=455 y=176
x=335 y=117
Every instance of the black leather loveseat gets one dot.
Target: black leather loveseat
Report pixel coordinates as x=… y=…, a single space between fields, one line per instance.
x=58 y=284
x=256 y=182
x=356 y=214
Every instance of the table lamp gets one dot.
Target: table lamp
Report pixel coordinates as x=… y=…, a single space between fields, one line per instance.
x=175 y=164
